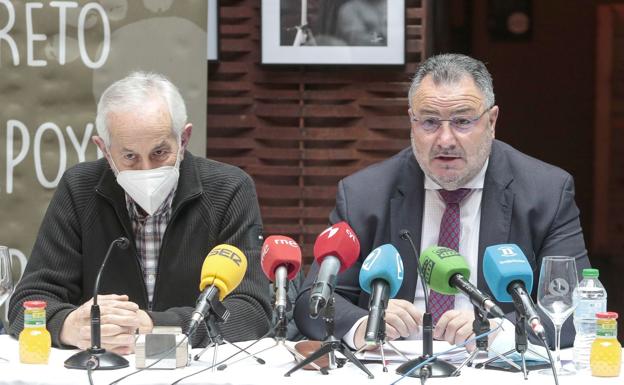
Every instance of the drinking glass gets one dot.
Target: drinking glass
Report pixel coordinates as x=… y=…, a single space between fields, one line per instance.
x=557 y=282
x=6 y=278
x=6 y=274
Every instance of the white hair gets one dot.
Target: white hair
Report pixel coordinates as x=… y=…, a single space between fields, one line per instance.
x=131 y=92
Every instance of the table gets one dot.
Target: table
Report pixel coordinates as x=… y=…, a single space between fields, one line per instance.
x=278 y=361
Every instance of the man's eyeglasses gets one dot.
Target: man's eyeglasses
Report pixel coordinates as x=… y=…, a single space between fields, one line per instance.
x=460 y=124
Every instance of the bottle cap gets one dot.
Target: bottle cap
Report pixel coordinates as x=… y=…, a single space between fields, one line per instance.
x=35 y=304
x=607 y=315
x=590 y=273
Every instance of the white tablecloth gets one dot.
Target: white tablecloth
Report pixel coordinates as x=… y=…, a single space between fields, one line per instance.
x=278 y=361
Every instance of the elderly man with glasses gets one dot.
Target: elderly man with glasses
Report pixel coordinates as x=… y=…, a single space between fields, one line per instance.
x=456 y=186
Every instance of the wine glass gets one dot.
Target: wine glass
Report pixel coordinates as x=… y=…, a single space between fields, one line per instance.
x=6 y=274
x=6 y=278
x=557 y=282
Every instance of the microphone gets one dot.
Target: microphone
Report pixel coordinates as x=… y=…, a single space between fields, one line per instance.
x=222 y=271
x=381 y=276
x=96 y=357
x=446 y=272
x=281 y=261
x=510 y=279
x=335 y=250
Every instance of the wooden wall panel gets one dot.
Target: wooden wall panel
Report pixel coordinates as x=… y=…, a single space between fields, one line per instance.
x=297 y=130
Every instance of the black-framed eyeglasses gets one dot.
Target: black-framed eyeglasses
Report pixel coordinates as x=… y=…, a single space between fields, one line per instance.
x=462 y=124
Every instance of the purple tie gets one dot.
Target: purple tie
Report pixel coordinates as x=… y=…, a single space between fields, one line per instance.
x=450 y=230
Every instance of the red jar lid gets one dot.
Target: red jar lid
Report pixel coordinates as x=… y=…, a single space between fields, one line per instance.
x=35 y=304
x=607 y=315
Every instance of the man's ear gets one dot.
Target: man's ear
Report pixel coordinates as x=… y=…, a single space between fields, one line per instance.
x=98 y=141
x=186 y=135
x=493 y=116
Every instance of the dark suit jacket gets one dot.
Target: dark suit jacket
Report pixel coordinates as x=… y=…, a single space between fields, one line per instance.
x=525 y=201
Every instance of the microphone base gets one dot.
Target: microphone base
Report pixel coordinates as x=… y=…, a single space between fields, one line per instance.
x=437 y=368
x=88 y=358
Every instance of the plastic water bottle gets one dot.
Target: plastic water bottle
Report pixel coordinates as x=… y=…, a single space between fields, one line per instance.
x=591 y=298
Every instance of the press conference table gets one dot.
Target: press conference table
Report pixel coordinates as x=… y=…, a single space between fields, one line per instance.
x=278 y=361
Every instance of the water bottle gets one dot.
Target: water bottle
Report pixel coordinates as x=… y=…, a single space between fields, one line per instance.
x=590 y=298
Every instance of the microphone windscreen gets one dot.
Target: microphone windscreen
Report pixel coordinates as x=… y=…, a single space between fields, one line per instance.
x=224 y=267
x=339 y=241
x=439 y=264
x=503 y=264
x=382 y=263
x=277 y=251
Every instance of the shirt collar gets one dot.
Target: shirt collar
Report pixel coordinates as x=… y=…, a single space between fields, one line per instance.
x=475 y=183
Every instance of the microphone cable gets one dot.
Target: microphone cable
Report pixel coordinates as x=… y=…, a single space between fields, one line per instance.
x=92 y=364
x=550 y=358
x=451 y=350
x=271 y=330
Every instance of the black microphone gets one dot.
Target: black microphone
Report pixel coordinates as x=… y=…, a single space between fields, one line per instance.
x=96 y=357
x=523 y=302
x=335 y=250
x=435 y=368
x=381 y=276
x=447 y=273
x=510 y=278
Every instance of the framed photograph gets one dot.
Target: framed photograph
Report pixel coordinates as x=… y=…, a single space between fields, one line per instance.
x=334 y=32
x=213 y=30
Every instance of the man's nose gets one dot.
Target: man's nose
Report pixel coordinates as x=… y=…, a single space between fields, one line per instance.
x=145 y=164
x=446 y=135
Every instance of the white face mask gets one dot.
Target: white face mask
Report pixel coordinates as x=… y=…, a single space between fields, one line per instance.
x=149 y=188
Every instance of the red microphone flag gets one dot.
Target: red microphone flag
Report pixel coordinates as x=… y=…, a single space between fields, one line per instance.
x=339 y=241
x=277 y=251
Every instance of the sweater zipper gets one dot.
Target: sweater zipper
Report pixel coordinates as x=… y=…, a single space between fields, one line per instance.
x=165 y=239
x=136 y=259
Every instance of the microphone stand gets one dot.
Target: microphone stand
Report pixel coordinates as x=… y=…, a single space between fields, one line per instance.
x=380 y=342
x=480 y=326
x=281 y=326
x=522 y=346
x=435 y=368
x=330 y=345
x=218 y=313
x=97 y=357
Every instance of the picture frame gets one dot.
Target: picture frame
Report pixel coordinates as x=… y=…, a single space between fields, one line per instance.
x=333 y=32
x=213 y=30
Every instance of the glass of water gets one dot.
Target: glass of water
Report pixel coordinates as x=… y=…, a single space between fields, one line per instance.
x=557 y=282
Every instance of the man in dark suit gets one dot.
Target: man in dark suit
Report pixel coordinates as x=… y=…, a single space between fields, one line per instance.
x=502 y=196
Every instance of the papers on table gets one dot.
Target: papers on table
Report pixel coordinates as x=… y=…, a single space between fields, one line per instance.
x=413 y=349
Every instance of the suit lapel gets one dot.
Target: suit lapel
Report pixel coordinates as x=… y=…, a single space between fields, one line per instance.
x=407 y=213
x=496 y=206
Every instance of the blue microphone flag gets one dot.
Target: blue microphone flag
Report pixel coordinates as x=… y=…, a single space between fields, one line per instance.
x=503 y=264
x=382 y=263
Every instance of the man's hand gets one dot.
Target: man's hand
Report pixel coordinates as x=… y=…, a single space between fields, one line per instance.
x=455 y=327
x=120 y=318
x=402 y=319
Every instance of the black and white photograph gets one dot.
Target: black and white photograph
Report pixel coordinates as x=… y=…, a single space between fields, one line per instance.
x=333 y=32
